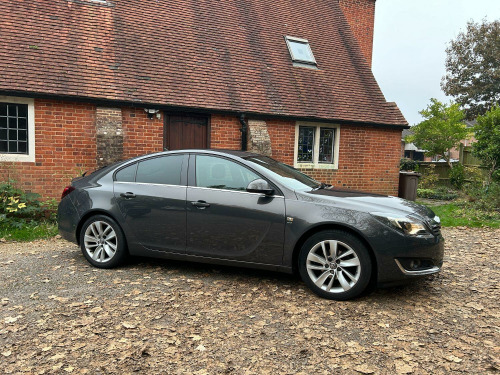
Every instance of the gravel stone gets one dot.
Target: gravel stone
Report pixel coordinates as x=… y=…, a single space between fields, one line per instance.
x=60 y=315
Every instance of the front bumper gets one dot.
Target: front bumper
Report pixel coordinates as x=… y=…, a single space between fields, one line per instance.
x=415 y=257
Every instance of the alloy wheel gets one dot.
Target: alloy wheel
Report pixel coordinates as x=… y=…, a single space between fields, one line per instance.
x=100 y=241
x=333 y=266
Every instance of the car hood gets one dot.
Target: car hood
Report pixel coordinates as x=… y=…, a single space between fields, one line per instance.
x=366 y=202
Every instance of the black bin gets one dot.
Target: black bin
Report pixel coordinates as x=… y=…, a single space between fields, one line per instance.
x=408 y=182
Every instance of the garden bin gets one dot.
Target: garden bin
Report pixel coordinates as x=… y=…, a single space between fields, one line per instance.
x=408 y=182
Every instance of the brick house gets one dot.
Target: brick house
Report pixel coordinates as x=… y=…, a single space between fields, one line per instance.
x=87 y=82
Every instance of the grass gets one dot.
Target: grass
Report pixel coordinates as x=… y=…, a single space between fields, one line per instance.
x=28 y=232
x=457 y=214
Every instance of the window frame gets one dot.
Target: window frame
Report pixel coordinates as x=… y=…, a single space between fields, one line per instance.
x=293 y=39
x=29 y=157
x=315 y=163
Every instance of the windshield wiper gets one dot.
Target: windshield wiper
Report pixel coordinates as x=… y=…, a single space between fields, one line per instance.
x=322 y=185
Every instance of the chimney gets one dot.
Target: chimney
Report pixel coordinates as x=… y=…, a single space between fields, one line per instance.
x=360 y=15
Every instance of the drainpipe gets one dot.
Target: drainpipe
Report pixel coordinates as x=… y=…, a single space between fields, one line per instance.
x=244 y=132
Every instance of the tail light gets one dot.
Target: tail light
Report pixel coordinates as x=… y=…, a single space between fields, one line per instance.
x=68 y=189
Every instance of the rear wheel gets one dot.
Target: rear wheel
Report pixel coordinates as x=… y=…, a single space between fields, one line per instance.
x=102 y=242
x=335 y=265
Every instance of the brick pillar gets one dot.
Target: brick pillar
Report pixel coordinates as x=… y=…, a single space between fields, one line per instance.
x=258 y=138
x=109 y=134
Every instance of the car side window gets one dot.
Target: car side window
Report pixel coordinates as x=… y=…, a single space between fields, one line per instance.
x=161 y=170
x=126 y=174
x=218 y=173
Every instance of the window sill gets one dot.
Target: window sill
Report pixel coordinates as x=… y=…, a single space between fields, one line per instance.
x=17 y=158
x=315 y=166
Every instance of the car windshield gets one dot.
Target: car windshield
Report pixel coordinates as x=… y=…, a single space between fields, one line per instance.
x=286 y=175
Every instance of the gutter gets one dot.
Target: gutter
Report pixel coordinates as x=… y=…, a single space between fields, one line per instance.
x=244 y=132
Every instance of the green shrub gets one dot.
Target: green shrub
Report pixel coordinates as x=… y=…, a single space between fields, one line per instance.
x=406 y=164
x=474 y=177
x=429 y=179
x=18 y=207
x=457 y=176
x=441 y=193
x=485 y=197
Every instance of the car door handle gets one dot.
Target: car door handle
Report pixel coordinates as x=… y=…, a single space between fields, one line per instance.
x=127 y=195
x=201 y=204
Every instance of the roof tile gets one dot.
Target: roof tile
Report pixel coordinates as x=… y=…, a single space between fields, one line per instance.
x=220 y=55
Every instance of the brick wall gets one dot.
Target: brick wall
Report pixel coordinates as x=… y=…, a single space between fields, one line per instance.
x=225 y=132
x=360 y=15
x=65 y=147
x=368 y=156
x=140 y=134
x=65 y=135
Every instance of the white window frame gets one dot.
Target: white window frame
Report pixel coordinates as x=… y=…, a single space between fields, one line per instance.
x=302 y=41
x=30 y=156
x=316 y=164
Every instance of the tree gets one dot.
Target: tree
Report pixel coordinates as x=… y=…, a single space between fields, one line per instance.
x=487 y=145
x=442 y=129
x=473 y=68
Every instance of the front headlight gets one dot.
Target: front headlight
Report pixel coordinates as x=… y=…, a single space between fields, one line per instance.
x=407 y=225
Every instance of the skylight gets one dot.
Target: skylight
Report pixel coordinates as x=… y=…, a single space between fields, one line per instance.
x=300 y=51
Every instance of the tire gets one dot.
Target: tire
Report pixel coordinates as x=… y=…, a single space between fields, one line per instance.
x=335 y=265
x=102 y=242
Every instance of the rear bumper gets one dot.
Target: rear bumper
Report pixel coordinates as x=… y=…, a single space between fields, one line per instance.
x=67 y=219
x=418 y=257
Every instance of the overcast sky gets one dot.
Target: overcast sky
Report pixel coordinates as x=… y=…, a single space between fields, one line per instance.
x=409 y=46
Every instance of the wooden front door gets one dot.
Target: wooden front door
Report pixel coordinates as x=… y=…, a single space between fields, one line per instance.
x=186 y=131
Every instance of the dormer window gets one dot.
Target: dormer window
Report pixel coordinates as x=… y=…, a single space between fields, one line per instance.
x=300 y=51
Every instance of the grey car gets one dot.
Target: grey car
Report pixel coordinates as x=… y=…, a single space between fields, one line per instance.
x=248 y=210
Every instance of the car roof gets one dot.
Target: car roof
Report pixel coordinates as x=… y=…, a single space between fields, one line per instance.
x=237 y=153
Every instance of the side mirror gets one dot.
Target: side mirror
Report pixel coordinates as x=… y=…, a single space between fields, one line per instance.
x=260 y=186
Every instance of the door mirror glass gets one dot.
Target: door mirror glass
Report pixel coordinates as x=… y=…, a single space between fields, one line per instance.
x=260 y=186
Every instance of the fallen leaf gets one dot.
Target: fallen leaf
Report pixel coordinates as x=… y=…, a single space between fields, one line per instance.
x=403 y=368
x=12 y=319
x=7 y=353
x=365 y=369
x=452 y=358
x=201 y=348
x=128 y=325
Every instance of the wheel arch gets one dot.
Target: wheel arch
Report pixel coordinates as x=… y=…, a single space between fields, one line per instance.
x=88 y=215
x=330 y=226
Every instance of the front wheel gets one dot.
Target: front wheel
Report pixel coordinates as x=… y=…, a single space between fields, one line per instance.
x=102 y=242
x=335 y=265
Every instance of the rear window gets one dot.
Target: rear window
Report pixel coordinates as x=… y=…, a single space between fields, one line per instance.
x=126 y=174
x=163 y=170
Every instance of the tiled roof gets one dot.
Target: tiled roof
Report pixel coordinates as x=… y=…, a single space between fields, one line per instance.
x=226 y=55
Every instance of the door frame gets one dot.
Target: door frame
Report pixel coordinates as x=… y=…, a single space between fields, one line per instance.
x=166 y=124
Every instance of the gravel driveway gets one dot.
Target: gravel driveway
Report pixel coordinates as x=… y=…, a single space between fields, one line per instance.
x=59 y=315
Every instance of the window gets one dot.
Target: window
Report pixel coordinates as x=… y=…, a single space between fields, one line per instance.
x=163 y=170
x=126 y=174
x=300 y=51
x=218 y=173
x=17 y=129
x=316 y=146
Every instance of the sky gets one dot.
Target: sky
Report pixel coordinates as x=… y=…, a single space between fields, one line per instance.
x=409 y=47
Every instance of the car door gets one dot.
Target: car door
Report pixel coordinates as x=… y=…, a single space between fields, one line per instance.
x=151 y=196
x=224 y=220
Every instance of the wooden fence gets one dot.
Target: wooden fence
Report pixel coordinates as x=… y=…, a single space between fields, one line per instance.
x=442 y=169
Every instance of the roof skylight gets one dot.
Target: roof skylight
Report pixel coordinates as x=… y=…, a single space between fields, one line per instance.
x=300 y=51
